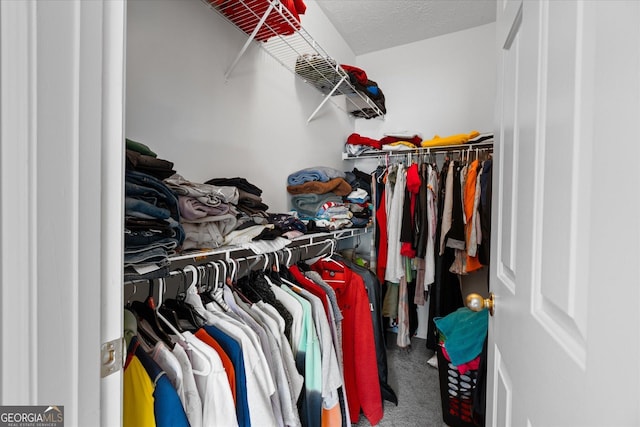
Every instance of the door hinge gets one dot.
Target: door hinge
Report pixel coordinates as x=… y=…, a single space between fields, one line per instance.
x=112 y=357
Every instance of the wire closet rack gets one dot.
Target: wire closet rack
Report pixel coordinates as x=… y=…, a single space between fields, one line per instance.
x=277 y=29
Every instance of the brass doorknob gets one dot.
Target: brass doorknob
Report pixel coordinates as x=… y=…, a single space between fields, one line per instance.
x=476 y=302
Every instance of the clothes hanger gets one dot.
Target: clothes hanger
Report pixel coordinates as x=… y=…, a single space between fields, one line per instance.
x=182 y=338
x=212 y=282
x=287 y=264
x=328 y=258
x=231 y=280
x=182 y=310
x=147 y=310
x=244 y=283
x=217 y=292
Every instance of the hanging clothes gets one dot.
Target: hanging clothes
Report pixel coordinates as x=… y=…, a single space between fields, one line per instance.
x=362 y=389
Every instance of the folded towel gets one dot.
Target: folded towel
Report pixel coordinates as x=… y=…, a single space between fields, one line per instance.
x=308 y=205
x=317 y=173
x=338 y=186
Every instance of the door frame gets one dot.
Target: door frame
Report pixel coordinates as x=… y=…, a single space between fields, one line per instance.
x=61 y=199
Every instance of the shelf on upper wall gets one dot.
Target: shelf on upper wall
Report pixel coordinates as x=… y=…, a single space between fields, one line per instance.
x=458 y=148
x=275 y=26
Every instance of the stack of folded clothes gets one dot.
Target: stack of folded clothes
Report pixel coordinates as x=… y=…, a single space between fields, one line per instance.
x=208 y=212
x=152 y=229
x=317 y=195
x=249 y=196
x=359 y=200
x=141 y=158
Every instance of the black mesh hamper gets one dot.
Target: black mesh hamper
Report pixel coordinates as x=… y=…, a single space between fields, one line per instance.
x=462 y=395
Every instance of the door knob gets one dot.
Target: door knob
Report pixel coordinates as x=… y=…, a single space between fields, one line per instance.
x=476 y=302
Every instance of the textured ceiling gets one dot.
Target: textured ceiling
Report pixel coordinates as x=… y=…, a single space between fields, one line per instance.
x=371 y=25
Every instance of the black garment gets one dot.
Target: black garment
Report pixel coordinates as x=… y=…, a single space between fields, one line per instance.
x=240 y=183
x=256 y=288
x=286 y=222
x=413 y=307
x=480 y=391
x=420 y=216
x=359 y=180
x=370 y=90
x=153 y=166
x=374 y=293
x=484 y=250
x=379 y=183
x=406 y=228
x=444 y=295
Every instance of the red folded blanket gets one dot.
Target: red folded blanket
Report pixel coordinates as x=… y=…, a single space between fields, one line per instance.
x=357 y=139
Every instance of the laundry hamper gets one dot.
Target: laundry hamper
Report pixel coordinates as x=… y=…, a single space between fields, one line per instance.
x=458 y=394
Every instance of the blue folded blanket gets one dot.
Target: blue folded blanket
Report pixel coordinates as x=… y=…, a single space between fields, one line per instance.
x=308 y=205
x=317 y=173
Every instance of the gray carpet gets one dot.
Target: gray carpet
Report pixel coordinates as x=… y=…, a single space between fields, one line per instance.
x=416 y=385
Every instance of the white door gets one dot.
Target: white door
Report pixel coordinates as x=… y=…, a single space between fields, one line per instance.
x=61 y=201
x=564 y=340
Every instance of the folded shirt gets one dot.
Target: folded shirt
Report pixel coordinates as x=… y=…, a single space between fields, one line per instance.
x=461 y=138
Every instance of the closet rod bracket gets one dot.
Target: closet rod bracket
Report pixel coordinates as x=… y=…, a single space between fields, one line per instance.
x=112 y=357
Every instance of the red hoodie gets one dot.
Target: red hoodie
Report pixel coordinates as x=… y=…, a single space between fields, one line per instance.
x=358 y=346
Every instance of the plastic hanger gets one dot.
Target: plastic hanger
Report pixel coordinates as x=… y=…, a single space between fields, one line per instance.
x=328 y=257
x=182 y=338
x=290 y=253
x=147 y=310
x=231 y=280
x=217 y=292
x=181 y=309
x=212 y=282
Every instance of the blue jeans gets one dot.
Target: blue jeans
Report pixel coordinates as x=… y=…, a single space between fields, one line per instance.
x=134 y=180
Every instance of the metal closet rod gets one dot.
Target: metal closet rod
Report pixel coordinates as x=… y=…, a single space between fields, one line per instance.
x=229 y=251
x=328 y=239
x=288 y=253
x=459 y=148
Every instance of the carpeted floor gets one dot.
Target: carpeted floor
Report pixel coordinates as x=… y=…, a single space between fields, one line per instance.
x=416 y=385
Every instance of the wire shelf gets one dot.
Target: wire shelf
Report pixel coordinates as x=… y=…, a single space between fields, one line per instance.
x=278 y=31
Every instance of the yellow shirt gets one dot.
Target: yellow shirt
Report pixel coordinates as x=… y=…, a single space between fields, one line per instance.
x=138 y=396
x=457 y=139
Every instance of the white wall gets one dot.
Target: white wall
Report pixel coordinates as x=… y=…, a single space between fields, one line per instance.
x=440 y=86
x=444 y=85
x=253 y=126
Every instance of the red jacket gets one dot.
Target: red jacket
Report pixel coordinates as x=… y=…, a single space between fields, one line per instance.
x=358 y=345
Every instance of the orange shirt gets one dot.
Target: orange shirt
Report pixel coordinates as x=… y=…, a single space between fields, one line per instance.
x=469 y=197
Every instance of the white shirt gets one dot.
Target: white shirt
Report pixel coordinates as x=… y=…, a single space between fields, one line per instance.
x=395 y=266
x=260 y=386
x=218 y=407
x=294 y=307
x=192 y=403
